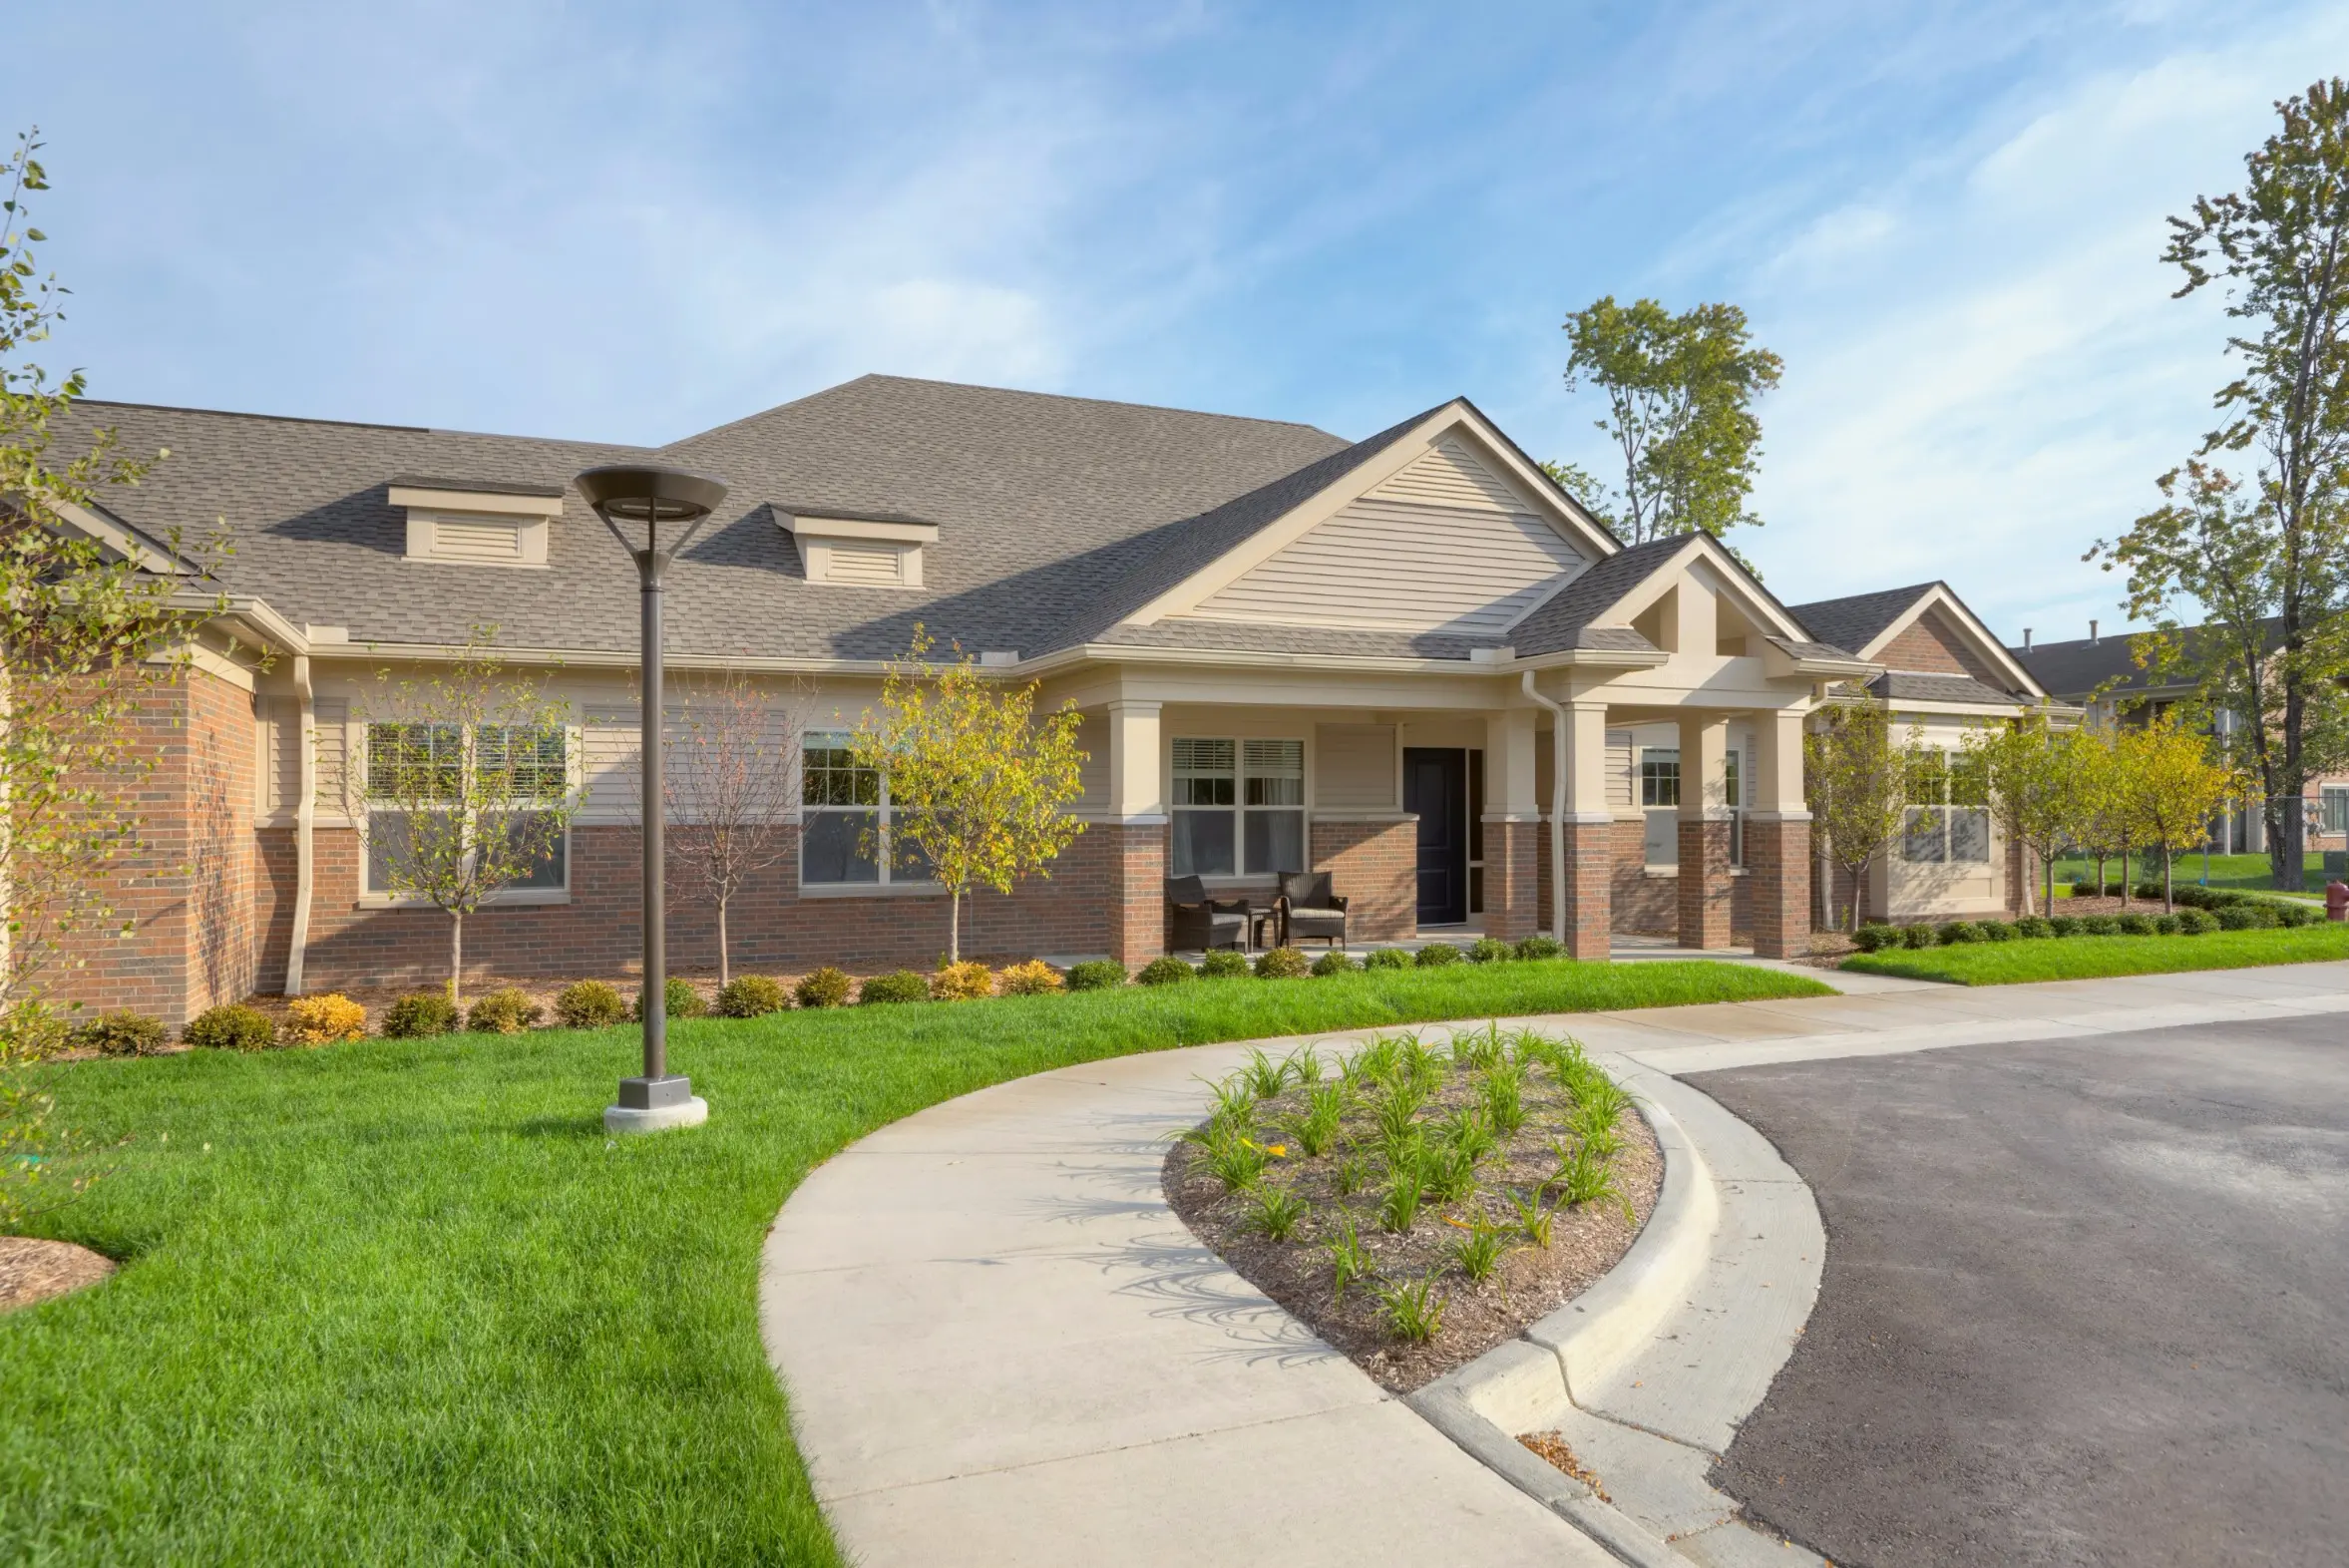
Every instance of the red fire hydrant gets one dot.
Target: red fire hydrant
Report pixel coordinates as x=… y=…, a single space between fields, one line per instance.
x=2336 y=901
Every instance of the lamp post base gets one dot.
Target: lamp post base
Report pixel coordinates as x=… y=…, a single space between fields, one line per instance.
x=654 y=1105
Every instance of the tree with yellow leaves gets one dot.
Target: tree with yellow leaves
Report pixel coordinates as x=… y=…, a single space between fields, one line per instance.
x=2168 y=785
x=977 y=781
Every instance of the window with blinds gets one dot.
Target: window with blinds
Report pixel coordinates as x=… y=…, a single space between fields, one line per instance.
x=1238 y=806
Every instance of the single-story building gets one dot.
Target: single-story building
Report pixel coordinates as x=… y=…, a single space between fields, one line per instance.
x=1410 y=660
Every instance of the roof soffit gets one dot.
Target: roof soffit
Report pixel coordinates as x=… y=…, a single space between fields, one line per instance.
x=1457 y=417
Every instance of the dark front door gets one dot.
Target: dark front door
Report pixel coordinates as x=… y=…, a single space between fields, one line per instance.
x=1435 y=786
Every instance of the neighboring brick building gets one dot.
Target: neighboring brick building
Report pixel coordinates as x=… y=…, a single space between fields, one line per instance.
x=1411 y=662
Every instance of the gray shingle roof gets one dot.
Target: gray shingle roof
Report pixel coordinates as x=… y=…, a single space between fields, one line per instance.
x=2072 y=670
x=1800 y=650
x=1901 y=686
x=1856 y=622
x=1558 y=623
x=1041 y=500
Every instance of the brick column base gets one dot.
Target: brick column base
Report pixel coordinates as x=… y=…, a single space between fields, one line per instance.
x=1704 y=884
x=1374 y=866
x=1137 y=890
x=1590 y=888
x=1512 y=879
x=1777 y=887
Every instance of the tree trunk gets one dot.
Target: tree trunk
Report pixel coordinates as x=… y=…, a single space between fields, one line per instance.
x=2100 y=874
x=2168 y=903
x=955 y=926
x=2124 y=876
x=456 y=960
x=723 y=976
x=2049 y=864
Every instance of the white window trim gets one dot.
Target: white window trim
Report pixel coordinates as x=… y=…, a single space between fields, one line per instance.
x=355 y=740
x=1947 y=866
x=1241 y=874
x=886 y=885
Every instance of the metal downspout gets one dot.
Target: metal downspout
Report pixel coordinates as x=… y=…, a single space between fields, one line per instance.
x=1557 y=810
x=305 y=812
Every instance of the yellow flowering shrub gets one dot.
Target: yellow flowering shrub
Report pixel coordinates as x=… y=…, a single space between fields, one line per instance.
x=964 y=981
x=1035 y=978
x=321 y=1020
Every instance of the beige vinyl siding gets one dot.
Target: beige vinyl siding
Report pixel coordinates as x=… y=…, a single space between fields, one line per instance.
x=1354 y=767
x=1093 y=774
x=279 y=774
x=1405 y=567
x=608 y=754
x=331 y=717
x=1622 y=768
x=1451 y=476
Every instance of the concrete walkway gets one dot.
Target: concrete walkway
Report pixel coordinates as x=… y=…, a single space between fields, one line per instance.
x=1001 y=1346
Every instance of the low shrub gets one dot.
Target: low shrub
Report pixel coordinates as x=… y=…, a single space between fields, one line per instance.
x=678 y=999
x=120 y=1034
x=1957 y=933
x=968 y=981
x=1224 y=964
x=904 y=985
x=1282 y=963
x=1388 y=959
x=588 y=1005
x=2197 y=923
x=1490 y=949
x=1875 y=936
x=1437 y=953
x=506 y=1010
x=2148 y=890
x=2246 y=917
x=2135 y=924
x=323 y=1020
x=419 y=1016
x=2164 y=924
x=2064 y=925
x=2296 y=914
x=1168 y=971
x=1096 y=975
x=1540 y=947
x=2100 y=924
x=1995 y=929
x=232 y=1027
x=1035 y=978
x=1334 y=962
x=752 y=996
x=2038 y=928
x=1918 y=936
x=824 y=987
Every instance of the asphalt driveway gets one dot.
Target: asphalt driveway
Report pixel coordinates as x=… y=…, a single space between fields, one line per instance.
x=2084 y=1302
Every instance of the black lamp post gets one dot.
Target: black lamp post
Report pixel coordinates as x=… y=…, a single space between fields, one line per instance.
x=637 y=504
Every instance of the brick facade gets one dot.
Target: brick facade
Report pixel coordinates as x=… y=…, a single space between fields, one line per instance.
x=1512 y=879
x=1591 y=854
x=1777 y=887
x=1374 y=866
x=1705 y=914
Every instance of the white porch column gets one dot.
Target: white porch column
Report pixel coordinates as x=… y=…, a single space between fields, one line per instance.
x=1512 y=826
x=1137 y=787
x=1778 y=839
x=1136 y=913
x=1583 y=835
x=1704 y=886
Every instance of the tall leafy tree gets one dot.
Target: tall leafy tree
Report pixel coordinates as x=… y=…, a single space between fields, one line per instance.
x=2171 y=785
x=1856 y=778
x=977 y=779
x=2025 y=766
x=2254 y=528
x=1680 y=393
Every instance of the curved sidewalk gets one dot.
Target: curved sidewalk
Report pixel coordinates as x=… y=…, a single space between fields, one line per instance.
x=1001 y=1346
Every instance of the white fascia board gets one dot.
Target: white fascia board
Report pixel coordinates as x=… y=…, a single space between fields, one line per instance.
x=1592 y=659
x=814 y=526
x=486 y=502
x=123 y=544
x=1778 y=661
x=1940 y=597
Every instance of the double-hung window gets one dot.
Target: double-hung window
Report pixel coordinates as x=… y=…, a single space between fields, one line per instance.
x=1239 y=807
x=2335 y=818
x=421 y=778
x=1948 y=821
x=1660 y=802
x=846 y=834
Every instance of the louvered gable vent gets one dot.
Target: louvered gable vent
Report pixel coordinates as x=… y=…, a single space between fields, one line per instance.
x=858 y=549
x=476 y=522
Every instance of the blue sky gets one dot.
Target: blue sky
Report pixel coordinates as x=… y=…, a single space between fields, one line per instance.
x=633 y=223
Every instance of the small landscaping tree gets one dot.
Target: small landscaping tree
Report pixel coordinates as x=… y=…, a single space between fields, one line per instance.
x=1856 y=775
x=2173 y=785
x=464 y=788
x=726 y=780
x=976 y=780
x=2024 y=765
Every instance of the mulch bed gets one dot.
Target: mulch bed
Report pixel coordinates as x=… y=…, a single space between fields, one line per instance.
x=1530 y=1283
x=33 y=1269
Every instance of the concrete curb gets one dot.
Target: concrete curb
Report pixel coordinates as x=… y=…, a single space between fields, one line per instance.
x=1523 y=1383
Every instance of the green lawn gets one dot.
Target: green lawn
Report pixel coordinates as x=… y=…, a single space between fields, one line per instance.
x=404 y=1302
x=2086 y=957
x=2250 y=872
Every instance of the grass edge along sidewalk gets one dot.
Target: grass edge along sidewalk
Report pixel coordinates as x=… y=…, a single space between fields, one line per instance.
x=404 y=1301
x=2094 y=958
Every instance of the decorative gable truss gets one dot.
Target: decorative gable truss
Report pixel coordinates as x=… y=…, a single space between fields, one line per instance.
x=1449 y=530
x=1939 y=635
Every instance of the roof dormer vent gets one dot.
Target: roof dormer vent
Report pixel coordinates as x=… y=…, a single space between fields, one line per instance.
x=858 y=549
x=476 y=522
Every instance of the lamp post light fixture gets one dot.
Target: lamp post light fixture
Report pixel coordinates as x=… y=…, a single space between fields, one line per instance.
x=653 y=513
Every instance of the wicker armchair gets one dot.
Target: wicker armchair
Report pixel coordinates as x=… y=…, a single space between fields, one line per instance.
x=1310 y=909
x=1203 y=923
